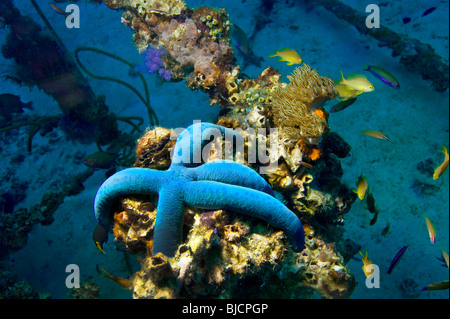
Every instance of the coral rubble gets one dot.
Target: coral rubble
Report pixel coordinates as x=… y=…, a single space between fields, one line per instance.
x=87 y=290
x=14 y=288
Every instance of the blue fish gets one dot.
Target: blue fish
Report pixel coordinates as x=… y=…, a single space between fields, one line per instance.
x=396 y=259
x=242 y=44
x=343 y=105
x=428 y=11
x=384 y=75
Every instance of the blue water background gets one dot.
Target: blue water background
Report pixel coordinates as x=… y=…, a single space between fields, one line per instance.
x=416 y=118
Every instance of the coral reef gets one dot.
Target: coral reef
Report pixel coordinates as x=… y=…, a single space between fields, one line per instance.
x=87 y=290
x=154 y=149
x=218 y=184
x=195 y=41
x=322 y=269
x=296 y=154
x=14 y=228
x=134 y=225
x=221 y=249
x=301 y=165
x=12 y=288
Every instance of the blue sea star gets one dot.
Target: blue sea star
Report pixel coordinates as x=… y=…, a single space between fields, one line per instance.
x=220 y=184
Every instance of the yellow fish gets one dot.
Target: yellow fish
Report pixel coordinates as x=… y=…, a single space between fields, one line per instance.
x=121 y=281
x=376 y=134
x=288 y=55
x=357 y=82
x=441 y=168
x=55 y=8
x=345 y=93
x=366 y=262
x=437 y=286
x=445 y=257
x=431 y=230
x=361 y=187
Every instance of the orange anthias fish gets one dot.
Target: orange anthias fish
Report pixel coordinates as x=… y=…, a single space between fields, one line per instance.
x=57 y=9
x=431 y=230
x=441 y=169
x=121 y=281
x=376 y=134
x=361 y=187
x=366 y=262
x=445 y=257
x=288 y=55
x=437 y=286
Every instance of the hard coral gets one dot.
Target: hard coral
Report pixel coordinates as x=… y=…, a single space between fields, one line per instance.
x=142 y=7
x=322 y=270
x=318 y=203
x=87 y=290
x=222 y=250
x=133 y=225
x=164 y=7
x=155 y=280
x=293 y=105
x=154 y=148
x=196 y=41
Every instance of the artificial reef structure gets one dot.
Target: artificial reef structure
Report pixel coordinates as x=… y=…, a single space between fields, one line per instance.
x=219 y=252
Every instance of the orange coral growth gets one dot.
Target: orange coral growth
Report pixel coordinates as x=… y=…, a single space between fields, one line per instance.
x=116 y=230
x=119 y=217
x=321 y=113
x=312 y=151
x=315 y=153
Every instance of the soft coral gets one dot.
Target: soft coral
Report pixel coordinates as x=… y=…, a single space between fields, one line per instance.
x=154 y=62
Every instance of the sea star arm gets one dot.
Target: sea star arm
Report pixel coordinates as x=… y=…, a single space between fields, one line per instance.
x=230 y=172
x=128 y=181
x=215 y=195
x=190 y=143
x=169 y=221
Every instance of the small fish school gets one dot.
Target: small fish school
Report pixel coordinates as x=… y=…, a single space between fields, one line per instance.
x=348 y=89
